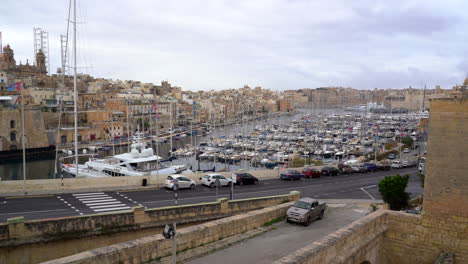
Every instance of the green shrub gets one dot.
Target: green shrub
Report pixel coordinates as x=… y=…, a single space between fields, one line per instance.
x=392 y=189
x=407 y=141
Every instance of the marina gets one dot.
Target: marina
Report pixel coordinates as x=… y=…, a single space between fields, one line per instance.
x=306 y=137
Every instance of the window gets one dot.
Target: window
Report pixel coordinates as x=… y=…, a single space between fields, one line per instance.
x=12 y=123
x=12 y=136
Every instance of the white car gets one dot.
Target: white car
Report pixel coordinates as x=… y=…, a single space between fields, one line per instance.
x=210 y=180
x=406 y=150
x=183 y=182
x=396 y=164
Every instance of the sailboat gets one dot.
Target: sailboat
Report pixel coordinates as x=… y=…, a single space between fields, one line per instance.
x=139 y=161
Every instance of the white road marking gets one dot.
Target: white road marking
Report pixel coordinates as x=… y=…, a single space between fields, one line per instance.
x=366 y=192
x=107 y=206
x=112 y=209
x=84 y=194
x=100 y=200
x=92 y=204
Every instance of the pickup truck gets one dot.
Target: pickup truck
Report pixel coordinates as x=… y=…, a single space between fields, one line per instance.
x=305 y=210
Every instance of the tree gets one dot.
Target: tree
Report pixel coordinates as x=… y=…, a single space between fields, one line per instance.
x=392 y=189
x=408 y=141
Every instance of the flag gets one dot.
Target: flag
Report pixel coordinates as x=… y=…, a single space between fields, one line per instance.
x=18 y=100
x=17 y=86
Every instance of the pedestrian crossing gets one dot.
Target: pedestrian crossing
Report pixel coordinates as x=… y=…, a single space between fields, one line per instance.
x=100 y=202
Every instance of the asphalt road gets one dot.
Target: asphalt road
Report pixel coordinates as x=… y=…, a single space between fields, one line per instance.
x=354 y=186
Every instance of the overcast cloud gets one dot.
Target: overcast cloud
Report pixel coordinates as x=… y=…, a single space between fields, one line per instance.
x=277 y=44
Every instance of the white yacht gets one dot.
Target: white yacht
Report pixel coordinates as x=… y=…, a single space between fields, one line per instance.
x=140 y=161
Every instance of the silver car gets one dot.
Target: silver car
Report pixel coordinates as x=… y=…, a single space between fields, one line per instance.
x=305 y=210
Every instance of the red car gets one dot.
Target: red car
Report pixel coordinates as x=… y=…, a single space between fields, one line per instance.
x=311 y=172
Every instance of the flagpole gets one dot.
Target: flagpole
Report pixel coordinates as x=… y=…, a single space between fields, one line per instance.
x=22 y=140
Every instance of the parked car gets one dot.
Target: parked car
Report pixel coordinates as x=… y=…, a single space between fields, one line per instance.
x=396 y=164
x=359 y=168
x=305 y=210
x=311 y=173
x=406 y=150
x=330 y=171
x=408 y=163
x=183 y=182
x=210 y=180
x=241 y=178
x=370 y=166
x=291 y=175
x=391 y=156
x=346 y=169
x=383 y=165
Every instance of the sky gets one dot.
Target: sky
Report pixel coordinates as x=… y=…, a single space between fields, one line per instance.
x=275 y=44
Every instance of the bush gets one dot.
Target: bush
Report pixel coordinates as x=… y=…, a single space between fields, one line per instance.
x=408 y=141
x=422 y=177
x=392 y=189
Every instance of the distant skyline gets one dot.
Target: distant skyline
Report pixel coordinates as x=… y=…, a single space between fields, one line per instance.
x=276 y=44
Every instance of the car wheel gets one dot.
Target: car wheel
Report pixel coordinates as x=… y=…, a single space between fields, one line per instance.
x=229 y=184
x=321 y=215
x=212 y=185
x=192 y=186
x=174 y=188
x=241 y=183
x=307 y=221
x=255 y=182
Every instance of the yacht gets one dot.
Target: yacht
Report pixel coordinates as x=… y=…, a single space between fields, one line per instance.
x=140 y=161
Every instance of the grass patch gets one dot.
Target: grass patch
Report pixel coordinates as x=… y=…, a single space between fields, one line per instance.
x=274 y=221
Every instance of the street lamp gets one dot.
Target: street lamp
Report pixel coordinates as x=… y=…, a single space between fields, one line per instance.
x=170 y=230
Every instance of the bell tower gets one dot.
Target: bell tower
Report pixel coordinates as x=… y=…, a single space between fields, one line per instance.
x=9 y=58
x=41 y=62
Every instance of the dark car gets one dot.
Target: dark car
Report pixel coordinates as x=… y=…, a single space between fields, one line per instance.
x=370 y=166
x=291 y=175
x=311 y=173
x=330 y=171
x=244 y=178
x=383 y=166
x=346 y=169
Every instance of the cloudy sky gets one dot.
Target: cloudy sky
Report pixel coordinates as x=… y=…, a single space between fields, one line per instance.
x=277 y=44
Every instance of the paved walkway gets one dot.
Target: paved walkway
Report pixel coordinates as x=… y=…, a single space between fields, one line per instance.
x=286 y=238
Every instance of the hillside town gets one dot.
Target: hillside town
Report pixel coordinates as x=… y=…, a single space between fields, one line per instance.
x=111 y=109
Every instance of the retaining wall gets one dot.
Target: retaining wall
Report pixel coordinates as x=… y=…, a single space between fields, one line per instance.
x=154 y=247
x=73 y=184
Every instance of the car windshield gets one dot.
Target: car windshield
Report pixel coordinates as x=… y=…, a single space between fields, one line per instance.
x=302 y=204
x=206 y=176
x=169 y=177
x=293 y=172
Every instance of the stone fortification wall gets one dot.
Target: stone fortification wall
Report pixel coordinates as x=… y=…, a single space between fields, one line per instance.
x=17 y=231
x=70 y=184
x=444 y=223
x=152 y=248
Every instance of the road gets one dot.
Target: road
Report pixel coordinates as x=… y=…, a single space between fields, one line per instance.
x=354 y=186
x=284 y=239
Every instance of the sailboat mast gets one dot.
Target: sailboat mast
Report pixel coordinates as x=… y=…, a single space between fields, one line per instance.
x=75 y=91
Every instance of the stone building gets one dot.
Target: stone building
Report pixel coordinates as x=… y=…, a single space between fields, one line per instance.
x=8 y=63
x=11 y=130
